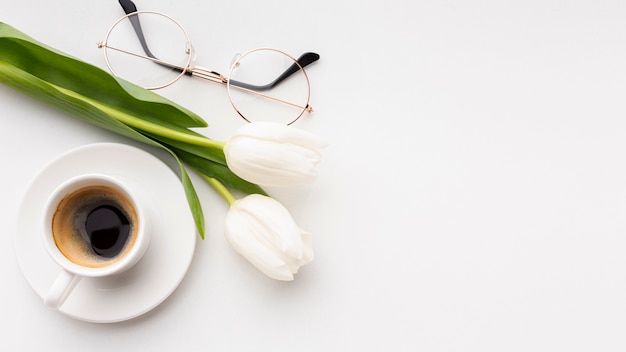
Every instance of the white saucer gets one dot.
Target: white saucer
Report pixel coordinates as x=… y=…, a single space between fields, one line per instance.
x=166 y=261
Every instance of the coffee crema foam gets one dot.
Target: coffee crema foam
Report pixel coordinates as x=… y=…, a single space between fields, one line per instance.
x=68 y=224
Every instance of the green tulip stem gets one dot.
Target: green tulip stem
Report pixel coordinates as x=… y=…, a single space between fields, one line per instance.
x=148 y=126
x=221 y=189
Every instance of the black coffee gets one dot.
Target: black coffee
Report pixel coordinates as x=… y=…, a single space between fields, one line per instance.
x=95 y=226
x=107 y=228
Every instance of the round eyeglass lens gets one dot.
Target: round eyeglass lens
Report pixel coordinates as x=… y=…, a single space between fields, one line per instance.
x=149 y=49
x=268 y=85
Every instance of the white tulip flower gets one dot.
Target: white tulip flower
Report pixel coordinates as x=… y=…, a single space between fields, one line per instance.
x=273 y=154
x=263 y=231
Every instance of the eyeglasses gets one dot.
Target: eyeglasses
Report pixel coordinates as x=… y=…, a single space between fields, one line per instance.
x=263 y=84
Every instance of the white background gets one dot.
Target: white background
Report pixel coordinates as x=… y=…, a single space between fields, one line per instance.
x=472 y=198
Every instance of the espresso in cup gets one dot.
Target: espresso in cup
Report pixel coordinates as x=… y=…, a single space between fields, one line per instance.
x=95 y=226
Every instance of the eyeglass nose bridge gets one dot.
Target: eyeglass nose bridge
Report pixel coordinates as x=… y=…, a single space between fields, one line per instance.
x=207 y=74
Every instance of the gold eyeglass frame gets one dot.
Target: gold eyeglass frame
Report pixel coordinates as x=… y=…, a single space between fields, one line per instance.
x=204 y=73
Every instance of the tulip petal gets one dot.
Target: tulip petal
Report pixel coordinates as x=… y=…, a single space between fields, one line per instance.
x=272 y=154
x=271 y=163
x=262 y=230
x=272 y=223
x=262 y=257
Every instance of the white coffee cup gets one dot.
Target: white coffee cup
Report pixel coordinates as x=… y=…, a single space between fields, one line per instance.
x=94 y=226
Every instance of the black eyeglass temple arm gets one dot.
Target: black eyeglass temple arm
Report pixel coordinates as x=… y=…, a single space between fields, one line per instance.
x=128 y=6
x=304 y=60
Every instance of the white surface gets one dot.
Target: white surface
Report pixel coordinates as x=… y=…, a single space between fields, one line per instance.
x=472 y=197
x=163 y=266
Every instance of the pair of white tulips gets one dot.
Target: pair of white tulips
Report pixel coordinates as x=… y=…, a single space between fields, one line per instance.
x=258 y=227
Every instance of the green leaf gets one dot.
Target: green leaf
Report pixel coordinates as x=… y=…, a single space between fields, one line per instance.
x=50 y=65
x=192 y=197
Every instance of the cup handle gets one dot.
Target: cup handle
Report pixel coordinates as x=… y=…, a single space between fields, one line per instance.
x=61 y=289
